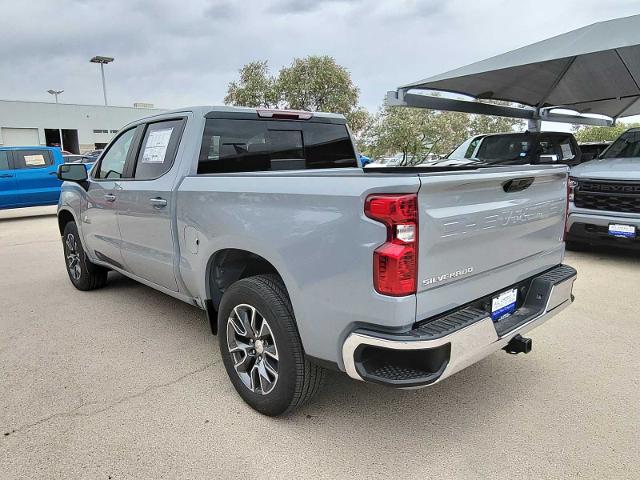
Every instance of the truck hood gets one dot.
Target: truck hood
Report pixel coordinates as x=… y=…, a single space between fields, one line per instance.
x=609 y=168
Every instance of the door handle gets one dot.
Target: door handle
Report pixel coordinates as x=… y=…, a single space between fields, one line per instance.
x=109 y=197
x=5 y=175
x=53 y=173
x=158 y=202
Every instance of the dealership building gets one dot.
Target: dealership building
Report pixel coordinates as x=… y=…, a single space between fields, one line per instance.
x=75 y=128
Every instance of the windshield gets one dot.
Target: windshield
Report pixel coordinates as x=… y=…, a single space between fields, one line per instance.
x=626 y=146
x=466 y=149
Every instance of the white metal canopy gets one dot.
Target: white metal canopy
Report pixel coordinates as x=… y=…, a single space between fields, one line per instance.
x=592 y=70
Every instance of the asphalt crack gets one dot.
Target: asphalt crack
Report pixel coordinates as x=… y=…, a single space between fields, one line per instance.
x=75 y=412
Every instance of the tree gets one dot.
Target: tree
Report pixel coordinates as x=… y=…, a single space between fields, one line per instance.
x=602 y=134
x=313 y=83
x=417 y=132
x=256 y=87
x=317 y=83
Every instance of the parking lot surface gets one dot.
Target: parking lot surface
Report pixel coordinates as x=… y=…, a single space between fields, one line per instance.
x=125 y=382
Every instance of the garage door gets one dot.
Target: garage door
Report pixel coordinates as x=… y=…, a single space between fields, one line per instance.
x=19 y=137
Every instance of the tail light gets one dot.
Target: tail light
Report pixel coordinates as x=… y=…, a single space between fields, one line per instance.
x=571 y=186
x=395 y=263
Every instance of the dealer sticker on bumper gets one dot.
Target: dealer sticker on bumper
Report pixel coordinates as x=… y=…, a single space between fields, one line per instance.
x=619 y=230
x=504 y=304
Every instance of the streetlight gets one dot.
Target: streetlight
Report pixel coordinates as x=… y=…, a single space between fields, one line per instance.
x=55 y=93
x=102 y=61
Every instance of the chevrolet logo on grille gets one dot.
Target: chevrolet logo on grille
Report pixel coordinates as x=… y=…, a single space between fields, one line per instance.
x=609 y=187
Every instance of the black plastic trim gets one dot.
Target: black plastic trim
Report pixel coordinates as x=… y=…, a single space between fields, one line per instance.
x=597 y=235
x=401 y=368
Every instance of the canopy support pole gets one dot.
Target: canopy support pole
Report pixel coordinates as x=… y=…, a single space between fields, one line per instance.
x=534 y=125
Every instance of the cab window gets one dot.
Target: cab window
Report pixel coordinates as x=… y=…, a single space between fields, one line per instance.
x=113 y=162
x=27 y=159
x=158 y=149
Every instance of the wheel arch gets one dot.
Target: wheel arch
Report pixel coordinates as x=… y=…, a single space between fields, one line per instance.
x=65 y=216
x=225 y=267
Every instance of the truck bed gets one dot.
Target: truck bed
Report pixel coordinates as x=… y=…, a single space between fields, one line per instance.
x=310 y=225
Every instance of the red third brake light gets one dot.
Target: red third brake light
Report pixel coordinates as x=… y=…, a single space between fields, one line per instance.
x=284 y=114
x=395 y=262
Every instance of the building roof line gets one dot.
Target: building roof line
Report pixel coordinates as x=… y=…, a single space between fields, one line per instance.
x=80 y=104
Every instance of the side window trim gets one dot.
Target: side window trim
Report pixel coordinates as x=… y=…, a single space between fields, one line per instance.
x=172 y=148
x=132 y=155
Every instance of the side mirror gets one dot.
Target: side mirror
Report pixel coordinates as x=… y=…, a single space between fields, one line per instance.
x=72 y=172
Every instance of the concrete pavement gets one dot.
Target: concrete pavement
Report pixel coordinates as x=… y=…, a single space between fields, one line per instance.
x=125 y=382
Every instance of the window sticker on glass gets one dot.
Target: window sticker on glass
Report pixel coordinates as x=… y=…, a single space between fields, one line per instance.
x=34 y=160
x=566 y=151
x=156 y=146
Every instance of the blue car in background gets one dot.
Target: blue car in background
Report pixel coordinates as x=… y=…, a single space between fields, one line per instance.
x=28 y=176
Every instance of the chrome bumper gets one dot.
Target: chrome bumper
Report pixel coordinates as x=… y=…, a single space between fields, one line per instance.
x=466 y=345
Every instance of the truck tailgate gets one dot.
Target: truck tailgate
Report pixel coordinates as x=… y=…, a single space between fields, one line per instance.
x=481 y=231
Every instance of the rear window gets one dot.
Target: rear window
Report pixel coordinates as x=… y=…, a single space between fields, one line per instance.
x=264 y=145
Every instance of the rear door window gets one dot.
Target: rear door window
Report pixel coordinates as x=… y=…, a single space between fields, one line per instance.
x=556 y=148
x=27 y=159
x=264 y=145
x=158 y=149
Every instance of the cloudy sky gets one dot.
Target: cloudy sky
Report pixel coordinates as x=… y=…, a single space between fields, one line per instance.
x=178 y=53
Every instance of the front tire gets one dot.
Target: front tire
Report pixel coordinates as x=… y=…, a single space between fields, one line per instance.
x=83 y=274
x=261 y=348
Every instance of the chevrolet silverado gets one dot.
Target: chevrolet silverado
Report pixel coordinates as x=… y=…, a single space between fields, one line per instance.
x=303 y=260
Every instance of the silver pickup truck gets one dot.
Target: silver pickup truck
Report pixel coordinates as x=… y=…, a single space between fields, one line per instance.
x=604 y=206
x=303 y=260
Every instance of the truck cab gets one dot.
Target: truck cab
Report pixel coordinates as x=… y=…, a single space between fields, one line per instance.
x=28 y=176
x=604 y=200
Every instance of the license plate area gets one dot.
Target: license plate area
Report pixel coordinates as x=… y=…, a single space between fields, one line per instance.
x=622 y=230
x=504 y=304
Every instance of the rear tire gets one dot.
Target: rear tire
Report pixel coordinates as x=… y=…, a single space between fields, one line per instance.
x=83 y=274
x=261 y=348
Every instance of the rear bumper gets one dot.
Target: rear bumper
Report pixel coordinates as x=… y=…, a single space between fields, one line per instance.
x=442 y=346
x=593 y=228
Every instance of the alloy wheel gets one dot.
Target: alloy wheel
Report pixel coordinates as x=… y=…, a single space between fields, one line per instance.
x=73 y=256
x=253 y=349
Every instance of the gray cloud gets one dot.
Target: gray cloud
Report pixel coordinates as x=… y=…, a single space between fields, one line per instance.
x=303 y=6
x=184 y=53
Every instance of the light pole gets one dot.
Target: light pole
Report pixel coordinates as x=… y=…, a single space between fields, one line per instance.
x=102 y=61
x=55 y=93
